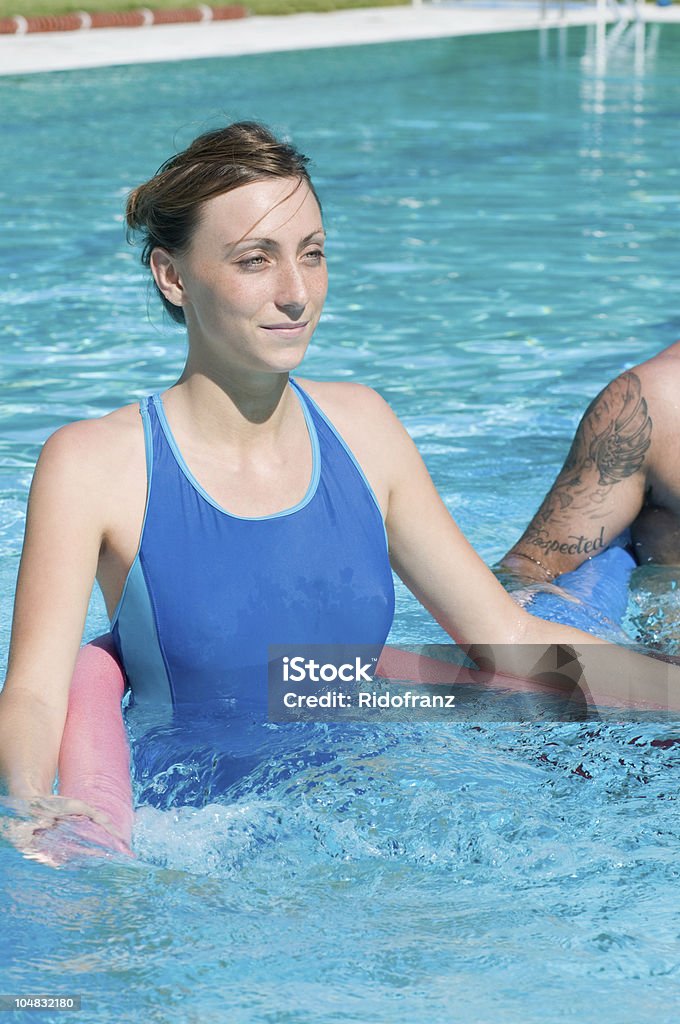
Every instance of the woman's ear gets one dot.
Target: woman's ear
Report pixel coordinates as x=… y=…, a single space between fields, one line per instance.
x=166 y=275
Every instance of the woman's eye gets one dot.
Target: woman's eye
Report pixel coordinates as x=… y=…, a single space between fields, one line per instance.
x=315 y=255
x=252 y=262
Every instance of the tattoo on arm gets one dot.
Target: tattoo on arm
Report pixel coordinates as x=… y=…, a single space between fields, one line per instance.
x=610 y=445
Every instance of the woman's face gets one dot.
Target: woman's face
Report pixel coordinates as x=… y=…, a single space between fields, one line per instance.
x=253 y=283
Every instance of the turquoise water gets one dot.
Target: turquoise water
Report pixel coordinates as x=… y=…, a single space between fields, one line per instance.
x=502 y=240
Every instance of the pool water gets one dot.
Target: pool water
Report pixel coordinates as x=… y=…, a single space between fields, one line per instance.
x=502 y=217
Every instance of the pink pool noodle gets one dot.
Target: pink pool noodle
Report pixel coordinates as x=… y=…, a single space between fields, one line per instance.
x=94 y=760
x=416 y=668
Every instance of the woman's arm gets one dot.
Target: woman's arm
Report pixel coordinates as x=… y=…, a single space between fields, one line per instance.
x=64 y=530
x=440 y=567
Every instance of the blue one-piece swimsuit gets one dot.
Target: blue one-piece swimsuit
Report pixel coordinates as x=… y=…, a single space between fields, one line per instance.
x=209 y=591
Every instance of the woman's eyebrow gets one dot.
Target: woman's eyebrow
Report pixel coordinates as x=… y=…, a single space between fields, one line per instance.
x=270 y=244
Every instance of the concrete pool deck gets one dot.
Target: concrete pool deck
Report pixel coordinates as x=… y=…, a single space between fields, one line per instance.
x=59 y=51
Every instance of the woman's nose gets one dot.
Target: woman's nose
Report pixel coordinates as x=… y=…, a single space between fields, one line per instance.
x=294 y=310
x=292 y=292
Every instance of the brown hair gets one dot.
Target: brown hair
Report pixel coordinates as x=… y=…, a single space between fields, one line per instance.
x=164 y=211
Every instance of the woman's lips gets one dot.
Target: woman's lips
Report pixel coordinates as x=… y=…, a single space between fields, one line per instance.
x=287 y=329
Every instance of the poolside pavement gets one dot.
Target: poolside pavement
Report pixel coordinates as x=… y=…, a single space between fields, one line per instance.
x=57 y=51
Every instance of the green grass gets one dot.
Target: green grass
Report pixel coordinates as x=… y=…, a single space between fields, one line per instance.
x=296 y=6
x=8 y=8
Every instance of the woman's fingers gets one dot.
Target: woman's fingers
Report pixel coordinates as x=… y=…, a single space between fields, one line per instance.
x=38 y=819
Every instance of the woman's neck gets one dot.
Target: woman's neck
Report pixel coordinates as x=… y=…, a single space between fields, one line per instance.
x=241 y=411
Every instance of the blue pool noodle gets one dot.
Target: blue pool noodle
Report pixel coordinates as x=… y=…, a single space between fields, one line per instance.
x=601 y=587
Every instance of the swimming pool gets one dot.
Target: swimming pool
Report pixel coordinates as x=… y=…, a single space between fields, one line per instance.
x=502 y=241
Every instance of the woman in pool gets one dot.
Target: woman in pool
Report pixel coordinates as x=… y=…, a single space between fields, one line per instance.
x=240 y=509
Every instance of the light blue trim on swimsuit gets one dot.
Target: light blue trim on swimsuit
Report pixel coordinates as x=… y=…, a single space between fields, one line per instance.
x=148 y=450
x=313 y=483
x=349 y=451
x=138 y=637
x=134 y=611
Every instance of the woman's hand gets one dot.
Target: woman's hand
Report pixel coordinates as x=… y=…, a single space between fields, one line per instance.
x=54 y=829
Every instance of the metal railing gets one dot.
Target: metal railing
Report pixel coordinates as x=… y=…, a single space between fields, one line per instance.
x=622 y=10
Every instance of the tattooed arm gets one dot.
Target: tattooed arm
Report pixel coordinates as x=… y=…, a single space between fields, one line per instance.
x=599 y=491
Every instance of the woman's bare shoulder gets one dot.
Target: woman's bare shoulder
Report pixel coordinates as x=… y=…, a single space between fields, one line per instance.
x=349 y=402
x=95 y=446
x=367 y=424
